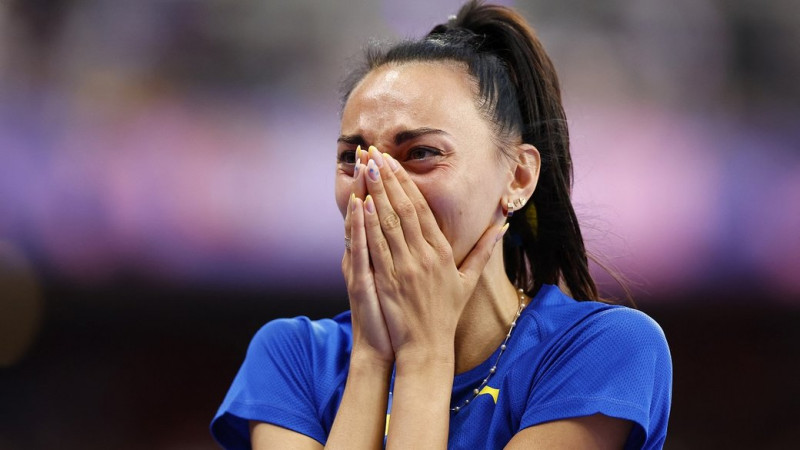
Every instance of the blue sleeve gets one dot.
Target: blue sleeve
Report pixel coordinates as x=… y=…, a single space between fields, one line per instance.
x=274 y=385
x=615 y=362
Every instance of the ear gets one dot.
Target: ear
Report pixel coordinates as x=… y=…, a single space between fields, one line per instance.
x=525 y=173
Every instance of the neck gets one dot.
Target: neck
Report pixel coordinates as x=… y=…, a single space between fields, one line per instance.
x=487 y=317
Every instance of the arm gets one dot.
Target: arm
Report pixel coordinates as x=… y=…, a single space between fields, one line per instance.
x=360 y=421
x=595 y=432
x=267 y=436
x=355 y=424
x=422 y=294
x=421 y=406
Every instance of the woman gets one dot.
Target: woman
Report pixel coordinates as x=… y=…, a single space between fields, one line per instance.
x=453 y=341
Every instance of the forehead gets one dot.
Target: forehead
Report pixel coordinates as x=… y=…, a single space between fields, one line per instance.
x=410 y=95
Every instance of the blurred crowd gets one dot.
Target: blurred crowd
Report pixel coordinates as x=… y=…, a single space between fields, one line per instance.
x=166 y=187
x=193 y=141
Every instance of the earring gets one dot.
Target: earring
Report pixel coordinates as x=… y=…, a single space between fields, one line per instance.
x=516 y=204
x=510 y=209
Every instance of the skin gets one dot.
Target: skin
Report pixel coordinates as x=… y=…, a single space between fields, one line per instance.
x=428 y=292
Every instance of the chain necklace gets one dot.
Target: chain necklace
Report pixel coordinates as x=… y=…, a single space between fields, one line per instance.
x=477 y=390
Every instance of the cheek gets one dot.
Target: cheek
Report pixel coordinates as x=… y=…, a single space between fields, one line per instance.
x=433 y=192
x=462 y=211
x=445 y=205
x=456 y=222
x=342 y=189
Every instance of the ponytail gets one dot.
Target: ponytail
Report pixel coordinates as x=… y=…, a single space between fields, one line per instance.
x=519 y=92
x=554 y=251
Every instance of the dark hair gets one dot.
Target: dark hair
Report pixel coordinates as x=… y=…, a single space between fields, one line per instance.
x=518 y=91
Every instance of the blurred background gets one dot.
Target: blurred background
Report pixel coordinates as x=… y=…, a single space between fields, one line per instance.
x=166 y=187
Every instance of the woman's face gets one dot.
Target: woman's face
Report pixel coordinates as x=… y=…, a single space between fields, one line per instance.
x=424 y=115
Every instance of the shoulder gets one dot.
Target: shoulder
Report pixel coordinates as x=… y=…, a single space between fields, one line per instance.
x=312 y=354
x=561 y=317
x=622 y=340
x=302 y=333
x=583 y=347
x=292 y=377
x=623 y=325
x=582 y=358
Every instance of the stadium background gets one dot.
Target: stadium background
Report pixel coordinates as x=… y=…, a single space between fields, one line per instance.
x=166 y=173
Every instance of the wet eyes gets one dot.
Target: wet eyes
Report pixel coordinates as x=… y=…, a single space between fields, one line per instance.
x=347 y=157
x=419 y=153
x=415 y=154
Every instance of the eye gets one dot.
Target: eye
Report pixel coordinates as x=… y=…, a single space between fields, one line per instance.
x=419 y=153
x=347 y=157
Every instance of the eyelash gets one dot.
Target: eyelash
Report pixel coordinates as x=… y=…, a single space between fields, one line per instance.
x=429 y=150
x=349 y=156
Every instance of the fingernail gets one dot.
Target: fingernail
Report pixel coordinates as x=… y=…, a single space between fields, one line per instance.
x=372 y=170
x=352 y=201
x=369 y=205
x=358 y=153
x=392 y=162
x=357 y=166
x=502 y=232
x=376 y=155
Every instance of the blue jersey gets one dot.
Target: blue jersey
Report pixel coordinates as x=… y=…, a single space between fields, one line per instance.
x=564 y=359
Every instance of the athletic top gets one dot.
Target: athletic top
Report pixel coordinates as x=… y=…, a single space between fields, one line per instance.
x=564 y=359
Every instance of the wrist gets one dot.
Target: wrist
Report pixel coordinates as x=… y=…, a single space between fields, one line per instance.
x=373 y=361
x=418 y=358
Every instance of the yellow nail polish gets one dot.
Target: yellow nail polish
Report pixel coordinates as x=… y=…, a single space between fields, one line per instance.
x=376 y=156
x=502 y=232
x=369 y=205
x=352 y=201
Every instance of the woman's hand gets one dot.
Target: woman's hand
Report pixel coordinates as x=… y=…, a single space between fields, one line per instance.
x=370 y=337
x=421 y=291
x=361 y=418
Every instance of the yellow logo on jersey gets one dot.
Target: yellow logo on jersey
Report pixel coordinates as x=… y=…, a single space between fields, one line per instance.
x=491 y=391
x=487 y=390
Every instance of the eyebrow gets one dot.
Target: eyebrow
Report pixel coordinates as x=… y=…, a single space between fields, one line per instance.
x=399 y=138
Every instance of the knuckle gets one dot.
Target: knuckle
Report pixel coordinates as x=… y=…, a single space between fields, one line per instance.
x=347 y=269
x=428 y=262
x=444 y=253
x=391 y=221
x=382 y=246
x=421 y=206
x=355 y=291
x=406 y=209
x=356 y=284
